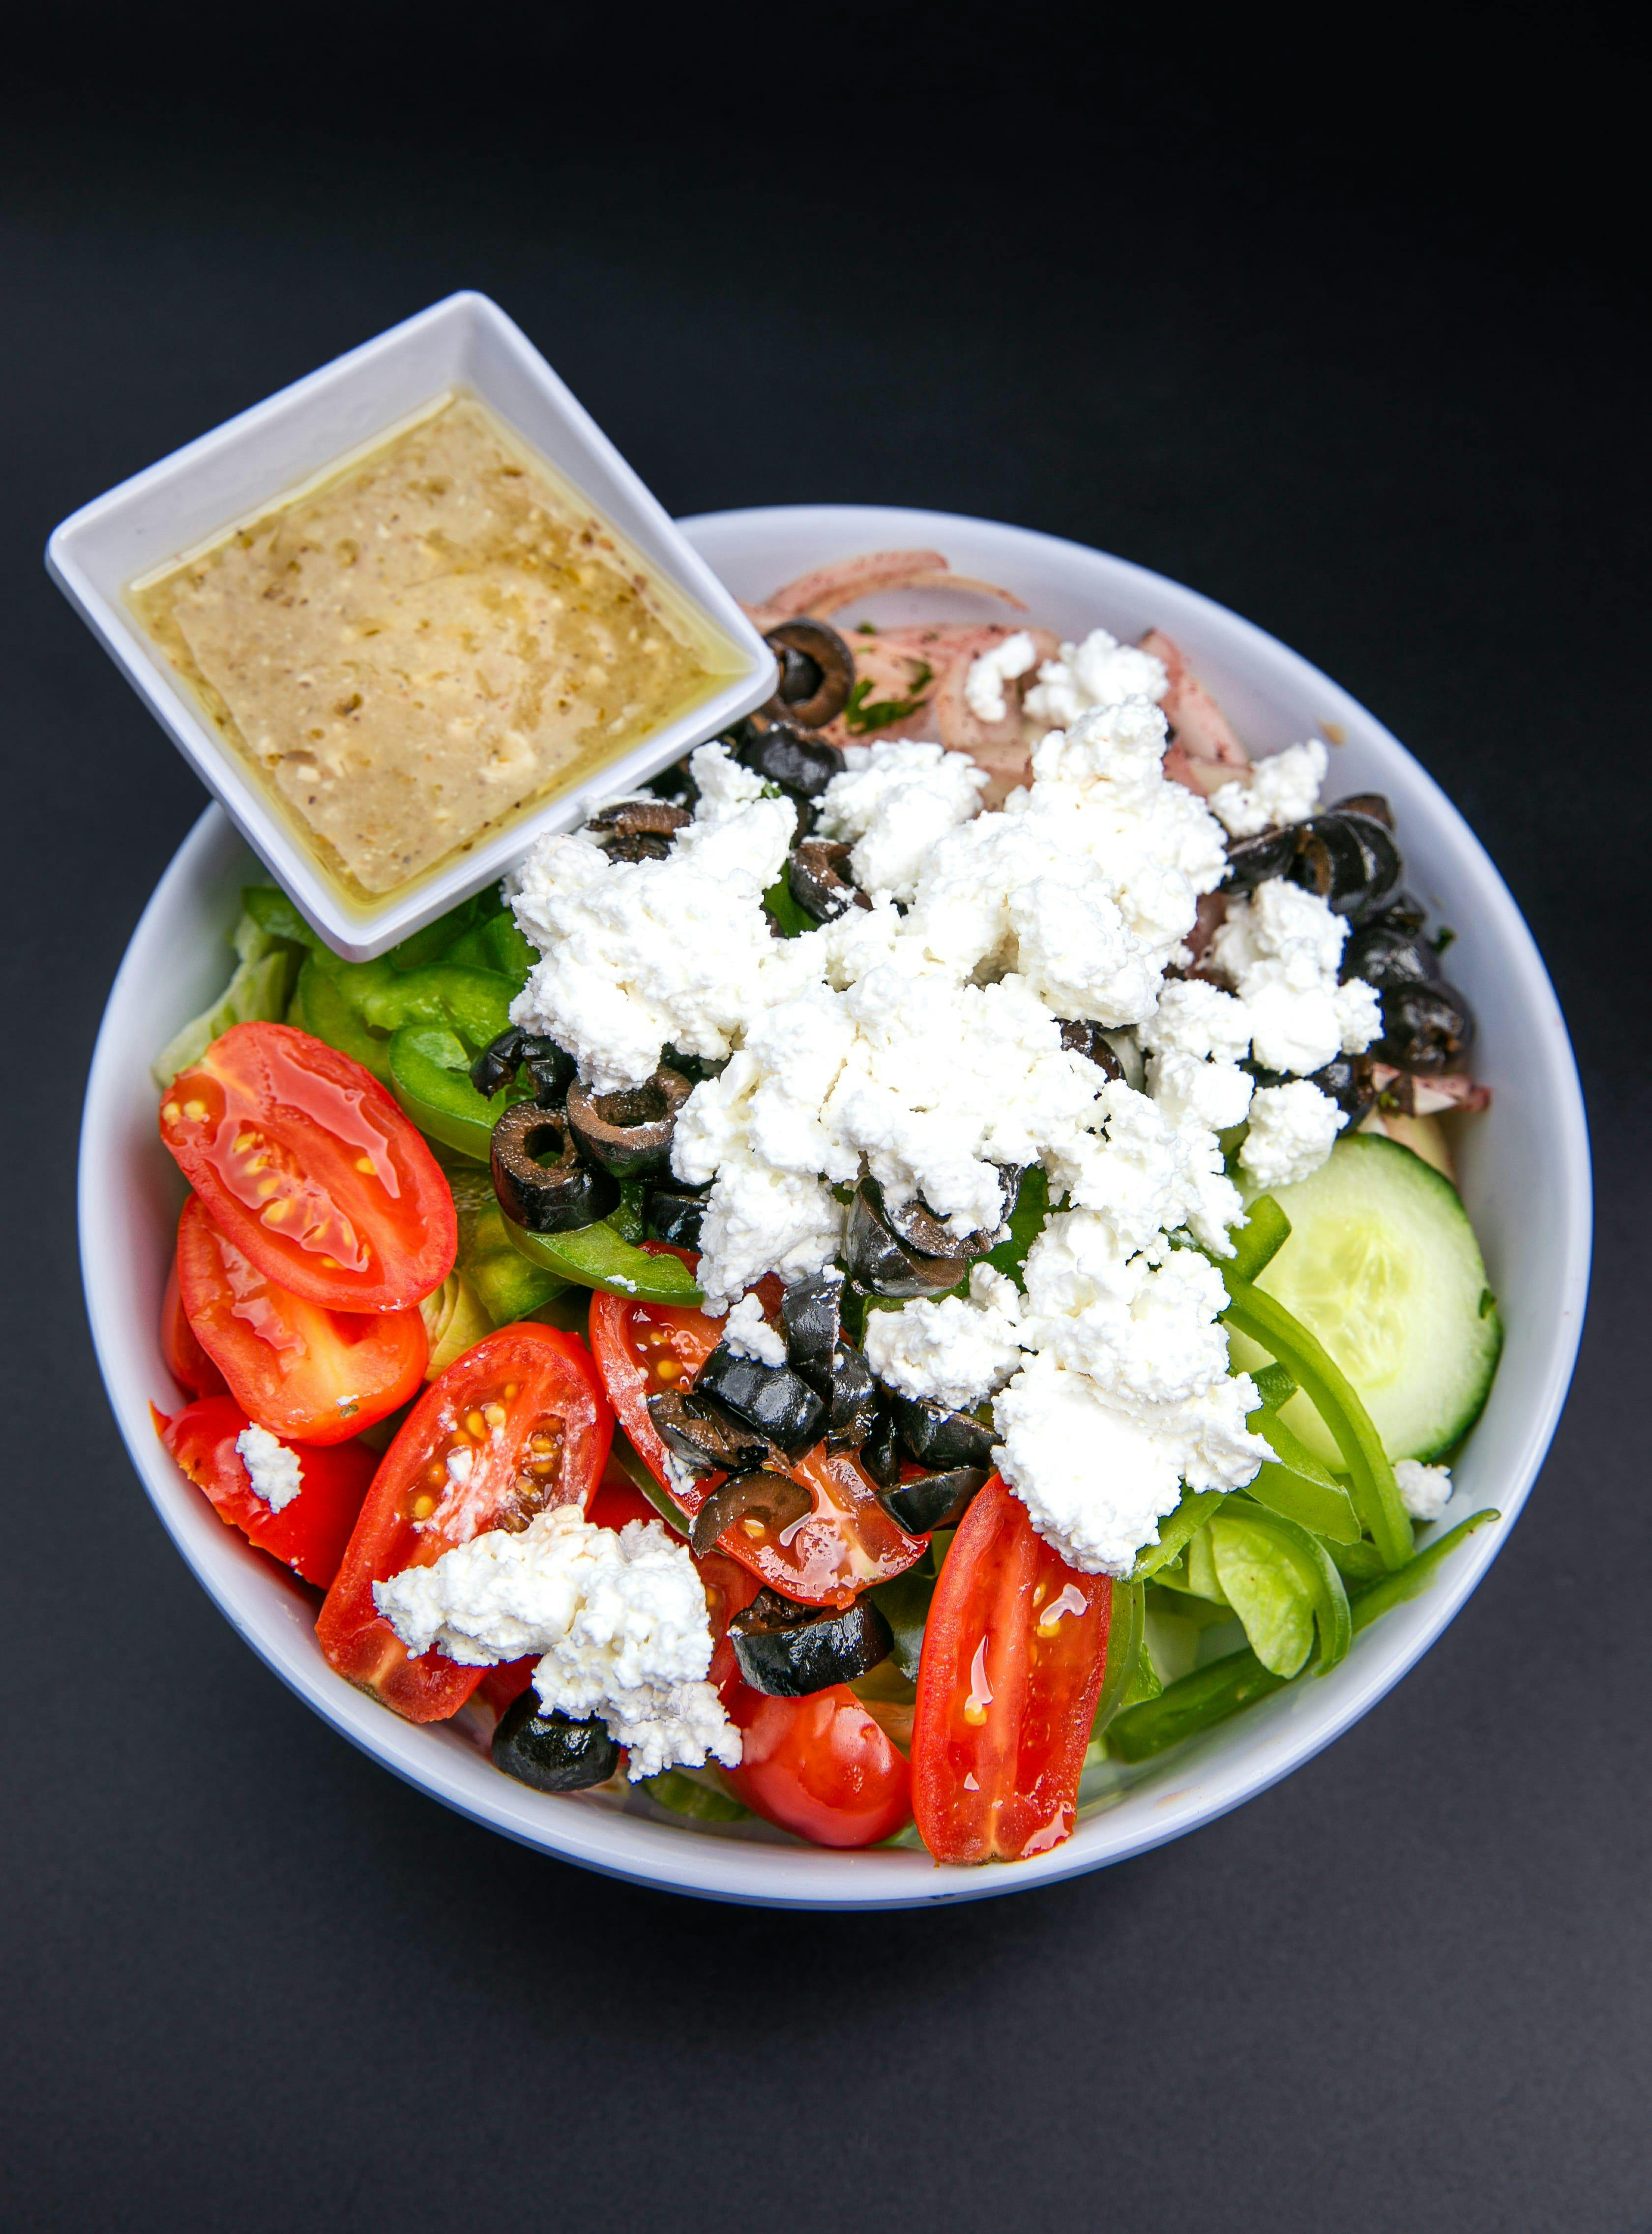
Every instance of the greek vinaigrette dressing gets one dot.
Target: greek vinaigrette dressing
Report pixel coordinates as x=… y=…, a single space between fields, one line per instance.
x=435 y=637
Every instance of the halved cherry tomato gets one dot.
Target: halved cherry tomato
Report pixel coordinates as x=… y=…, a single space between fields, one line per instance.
x=820 y=1767
x=187 y=1361
x=313 y=1376
x=309 y=1532
x=311 y=1169
x=844 y=1546
x=1014 y=1653
x=517 y=1424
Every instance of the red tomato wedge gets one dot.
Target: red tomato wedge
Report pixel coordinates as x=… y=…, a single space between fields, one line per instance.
x=309 y=1532
x=517 y=1424
x=1014 y=1653
x=311 y=1169
x=846 y=1544
x=187 y=1361
x=309 y=1375
x=820 y=1766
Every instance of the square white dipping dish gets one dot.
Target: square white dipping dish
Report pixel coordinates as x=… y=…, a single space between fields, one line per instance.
x=253 y=463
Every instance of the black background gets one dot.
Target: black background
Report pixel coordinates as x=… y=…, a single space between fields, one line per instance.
x=1341 y=329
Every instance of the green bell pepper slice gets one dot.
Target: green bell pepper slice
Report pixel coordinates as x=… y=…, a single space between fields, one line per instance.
x=430 y=1077
x=596 y=1256
x=1176 y=1533
x=1264 y=1233
x=1126 y=1649
x=508 y=1286
x=319 y=1008
x=1295 y=1483
x=475 y=1003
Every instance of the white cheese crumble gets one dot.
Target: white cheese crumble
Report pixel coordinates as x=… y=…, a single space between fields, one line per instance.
x=620 y=1620
x=984 y=686
x=892 y=802
x=1293 y=1129
x=748 y=1334
x=955 y=1352
x=1425 y=1491
x=271 y=1468
x=1282 y=788
x=1100 y=671
x=1281 y=949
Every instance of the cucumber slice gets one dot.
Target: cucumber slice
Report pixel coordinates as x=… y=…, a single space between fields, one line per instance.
x=1382 y=1264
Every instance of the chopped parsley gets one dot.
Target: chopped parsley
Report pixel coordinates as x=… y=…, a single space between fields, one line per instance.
x=862 y=713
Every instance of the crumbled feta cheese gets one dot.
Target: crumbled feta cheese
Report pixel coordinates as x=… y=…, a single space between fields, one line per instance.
x=271 y=1468
x=952 y=1352
x=1425 y=1491
x=1197 y=1019
x=1280 y=948
x=1100 y=671
x=1293 y=1129
x=748 y=1334
x=892 y=802
x=620 y=1620
x=984 y=686
x=1282 y=788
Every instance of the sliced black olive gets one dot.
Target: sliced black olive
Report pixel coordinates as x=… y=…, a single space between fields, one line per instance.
x=916 y=1224
x=1404 y=912
x=817 y=875
x=790 y=1650
x=1090 y=1040
x=811 y=1319
x=1350 y=860
x=939 y=1439
x=635 y=820
x=538 y=1176
x=674 y=1214
x=935 y=1500
x=676 y=782
x=550 y=1066
x=885 y=1264
x=880 y=1452
x=1372 y=804
x=1346 y=1079
x=1424 y=1027
x=1384 y=955
x=548 y=1751
x=788 y=754
x=770 y=1502
x=629 y=1133
x=817 y=672
x=695 y=1068
x=852 y=1408
x=1252 y=861
x=705 y=1437
x=770 y=1398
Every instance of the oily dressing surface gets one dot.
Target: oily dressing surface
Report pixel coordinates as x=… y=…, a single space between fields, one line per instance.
x=425 y=645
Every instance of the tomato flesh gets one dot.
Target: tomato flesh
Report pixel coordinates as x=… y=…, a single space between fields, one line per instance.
x=843 y=1546
x=519 y=1423
x=187 y=1361
x=1014 y=1653
x=309 y=1532
x=312 y=1170
x=309 y=1375
x=820 y=1767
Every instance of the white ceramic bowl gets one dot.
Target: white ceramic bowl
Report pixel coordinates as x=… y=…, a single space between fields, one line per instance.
x=1531 y=1146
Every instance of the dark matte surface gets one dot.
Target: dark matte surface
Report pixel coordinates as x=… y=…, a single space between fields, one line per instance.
x=252 y=1981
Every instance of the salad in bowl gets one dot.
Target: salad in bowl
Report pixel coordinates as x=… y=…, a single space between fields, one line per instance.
x=895 y=1276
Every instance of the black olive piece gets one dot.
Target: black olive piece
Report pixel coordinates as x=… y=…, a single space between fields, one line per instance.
x=548 y=1751
x=939 y=1439
x=704 y=1436
x=1372 y=804
x=1424 y=1027
x=1404 y=912
x=812 y=1321
x=629 y=1133
x=886 y=1265
x=639 y=818
x=674 y=1214
x=1089 y=1040
x=1350 y=860
x=852 y=1408
x=676 y=782
x=770 y=1398
x=790 y=1650
x=554 y=1196
x=788 y=755
x=817 y=875
x=1384 y=955
x=695 y=1068
x=549 y=1065
x=817 y=672
x=916 y=1224
x=773 y=1501
x=1252 y=861
x=935 y=1500
x=880 y=1452
x=1346 y=1079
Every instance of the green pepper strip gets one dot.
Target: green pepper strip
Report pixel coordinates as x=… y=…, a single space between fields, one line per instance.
x=1376 y=1492
x=1258 y=1241
x=1126 y=1632
x=684 y=1796
x=1315 y=1571
x=1175 y=1533
x=632 y=1464
x=430 y=1077
x=1212 y=1694
x=595 y=1256
x=1295 y=1483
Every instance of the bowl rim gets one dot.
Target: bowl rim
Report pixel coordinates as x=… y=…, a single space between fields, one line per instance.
x=1206 y=1785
